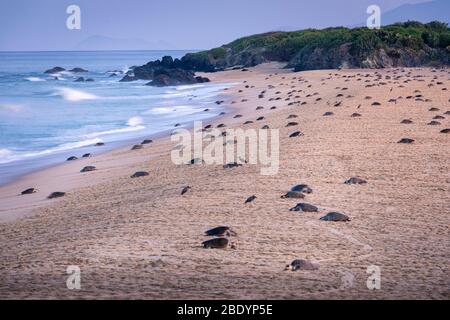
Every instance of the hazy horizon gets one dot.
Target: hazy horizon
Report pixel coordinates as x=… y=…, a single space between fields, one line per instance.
x=116 y=25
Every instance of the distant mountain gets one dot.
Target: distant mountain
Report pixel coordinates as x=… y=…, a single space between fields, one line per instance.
x=437 y=10
x=107 y=43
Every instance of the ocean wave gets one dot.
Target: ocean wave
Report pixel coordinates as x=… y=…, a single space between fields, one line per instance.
x=114 y=131
x=10 y=157
x=175 y=110
x=34 y=79
x=135 y=121
x=5 y=153
x=73 y=95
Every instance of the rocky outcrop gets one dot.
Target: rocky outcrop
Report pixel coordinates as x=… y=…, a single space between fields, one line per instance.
x=164 y=72
x=78 y=70
x=409 y=44
x=55 y=70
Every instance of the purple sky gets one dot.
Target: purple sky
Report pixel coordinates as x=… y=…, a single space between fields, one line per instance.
x=180 y=24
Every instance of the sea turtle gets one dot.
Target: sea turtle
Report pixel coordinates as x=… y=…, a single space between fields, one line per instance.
x=56 y=195
x=292 y=124
x=295 y=134
x=147 y=141
x=221 y=231
x=328 y=113
x=137 y=147
x=335 y=216
x=302 y=188
x=250 y=199
x=185 y=189
x=29 y=191
x=232 y=165
x=305 y=207
x=86 y=155
x=355 y=180
x=301 y=264
x=406 y=121
x=218 y=243
x=88 y=169
x=140 y=174
x=406 y=141
x=72 y=158
x=445 y=131
x=293 y=195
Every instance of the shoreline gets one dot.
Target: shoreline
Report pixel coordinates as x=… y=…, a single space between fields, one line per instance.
x=29 y=180
x=141 y=239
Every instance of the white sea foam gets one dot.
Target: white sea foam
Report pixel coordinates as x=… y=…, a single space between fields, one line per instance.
x=113 y=131
x=9 y=156
x=34 y=79
x=175 y=110
x=135 y=121
x=73 y=95
x=5 y=153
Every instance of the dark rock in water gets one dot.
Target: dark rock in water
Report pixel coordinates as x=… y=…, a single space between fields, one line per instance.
x=355 y=180
x=165 y=72
x=147 y=141
x=56 y=195
x=99 y=144
x=293 y=195
x=406 y=121
x=185 y=189
x=301 y=264
x=80 y=79
x=73 y=158
x=128 y=78
x=406 y=141
x=221 y=231
x=302 y=188
x=218 y=243
x=232 y=165
x=78 y=70
x=137 y=147
x=88 y=169
x=295 y=134
x=305 y=207
x=434 y=123
x=140 y=174
x=29 y=191
x=445 y=131
x=87 y=155
x=55 y=70
x=250 y=199
x=335 y=216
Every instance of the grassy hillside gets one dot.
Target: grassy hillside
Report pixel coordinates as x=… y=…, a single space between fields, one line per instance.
x=403 y=44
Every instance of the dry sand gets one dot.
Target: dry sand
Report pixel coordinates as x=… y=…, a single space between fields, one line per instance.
x=139 y=238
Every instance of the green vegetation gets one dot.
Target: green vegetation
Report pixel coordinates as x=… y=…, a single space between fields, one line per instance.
x=410 y=42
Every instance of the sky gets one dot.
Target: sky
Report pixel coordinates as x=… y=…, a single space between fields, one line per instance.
x=40 y=25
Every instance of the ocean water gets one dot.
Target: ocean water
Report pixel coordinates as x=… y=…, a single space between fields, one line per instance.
x=46 y=118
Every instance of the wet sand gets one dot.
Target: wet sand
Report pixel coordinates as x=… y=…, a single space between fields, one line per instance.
x=140 y=239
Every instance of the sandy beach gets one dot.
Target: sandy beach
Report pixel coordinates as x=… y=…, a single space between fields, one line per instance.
x=140 y=239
